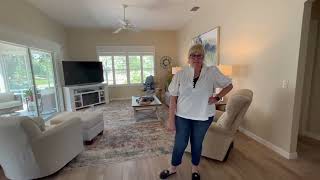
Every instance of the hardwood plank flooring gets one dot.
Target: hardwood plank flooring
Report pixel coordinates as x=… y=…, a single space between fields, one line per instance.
x=249 y=160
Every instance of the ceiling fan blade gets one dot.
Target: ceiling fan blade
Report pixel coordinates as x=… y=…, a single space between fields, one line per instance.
x=126 y=25
x=133 y=28
x=117 y=31
x=136 y=30
x=123 y=22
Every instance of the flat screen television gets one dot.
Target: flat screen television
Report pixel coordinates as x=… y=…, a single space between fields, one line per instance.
x=82 y=72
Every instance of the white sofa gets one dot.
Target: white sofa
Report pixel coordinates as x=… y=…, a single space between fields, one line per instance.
x=218 y=141
x=9 y=103
x=27 y=152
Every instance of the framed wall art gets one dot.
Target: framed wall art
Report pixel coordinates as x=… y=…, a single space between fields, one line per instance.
x=211 y=43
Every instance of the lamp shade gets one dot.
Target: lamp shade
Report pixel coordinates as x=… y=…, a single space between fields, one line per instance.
x=176 y=69
x=225 y=69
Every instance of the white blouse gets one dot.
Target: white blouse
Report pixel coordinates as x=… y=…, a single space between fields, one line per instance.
x=192 y=102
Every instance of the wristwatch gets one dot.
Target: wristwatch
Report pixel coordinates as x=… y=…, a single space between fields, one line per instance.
x=217 y=98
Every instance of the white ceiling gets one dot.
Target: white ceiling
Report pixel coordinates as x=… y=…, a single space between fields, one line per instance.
x=145 y=14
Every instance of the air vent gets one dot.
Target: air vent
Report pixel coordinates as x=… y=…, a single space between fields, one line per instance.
x=195 y=8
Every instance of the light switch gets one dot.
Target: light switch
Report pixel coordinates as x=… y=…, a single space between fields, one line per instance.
x=285 y=84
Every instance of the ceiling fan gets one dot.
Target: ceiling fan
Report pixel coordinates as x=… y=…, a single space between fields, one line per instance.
x=126 y=25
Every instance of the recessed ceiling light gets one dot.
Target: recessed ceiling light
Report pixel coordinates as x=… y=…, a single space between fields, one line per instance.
x=195 y=8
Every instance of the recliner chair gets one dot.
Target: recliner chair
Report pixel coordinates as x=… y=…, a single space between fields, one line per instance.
x=218 y=141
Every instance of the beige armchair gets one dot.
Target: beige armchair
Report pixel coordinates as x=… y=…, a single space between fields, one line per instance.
x=29 y=152
x=218 y=141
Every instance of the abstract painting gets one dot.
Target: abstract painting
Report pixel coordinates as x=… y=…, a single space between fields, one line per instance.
x=210 y=41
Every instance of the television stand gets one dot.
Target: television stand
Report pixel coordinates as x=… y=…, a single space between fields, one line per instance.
x=83 y=96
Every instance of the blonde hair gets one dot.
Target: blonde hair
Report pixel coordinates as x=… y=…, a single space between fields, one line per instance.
x=196 y=48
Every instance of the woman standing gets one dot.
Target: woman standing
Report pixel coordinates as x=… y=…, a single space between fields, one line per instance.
x=192 y=107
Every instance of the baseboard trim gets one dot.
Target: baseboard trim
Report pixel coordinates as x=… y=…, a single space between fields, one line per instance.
x=120 y=99
x=312 y=135
x=269 y=145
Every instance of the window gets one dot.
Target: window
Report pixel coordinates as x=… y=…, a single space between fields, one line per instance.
x=148 y=66
x=107 y=68
x=135 y=69
x=132 y=68
x=15 y=71
x=120 y=69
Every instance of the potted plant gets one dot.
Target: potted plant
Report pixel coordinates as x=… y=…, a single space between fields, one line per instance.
x=28 y=94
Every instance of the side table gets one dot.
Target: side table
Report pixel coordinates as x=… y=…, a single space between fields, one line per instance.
x=158 y=93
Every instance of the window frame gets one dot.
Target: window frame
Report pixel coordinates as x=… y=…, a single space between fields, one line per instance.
x=127 y=54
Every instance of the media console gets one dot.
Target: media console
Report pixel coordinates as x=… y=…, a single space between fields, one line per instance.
x=78 y=97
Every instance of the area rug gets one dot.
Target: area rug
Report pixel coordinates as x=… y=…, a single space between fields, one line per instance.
x=126 y=137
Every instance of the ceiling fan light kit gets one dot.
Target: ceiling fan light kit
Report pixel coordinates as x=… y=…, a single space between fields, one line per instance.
x=195 y=8
x=125 y=23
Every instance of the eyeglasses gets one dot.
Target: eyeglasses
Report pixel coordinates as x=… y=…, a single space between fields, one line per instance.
x=193 y=56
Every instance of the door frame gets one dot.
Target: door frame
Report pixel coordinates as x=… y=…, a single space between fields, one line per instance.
x=55 y=74
x=304 y=69
x=311 y=57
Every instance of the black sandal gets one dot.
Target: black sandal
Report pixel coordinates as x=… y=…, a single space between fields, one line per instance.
x=195 y=176
x=165 y=174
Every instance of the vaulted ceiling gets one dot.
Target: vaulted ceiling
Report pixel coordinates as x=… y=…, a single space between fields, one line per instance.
x=145 y=14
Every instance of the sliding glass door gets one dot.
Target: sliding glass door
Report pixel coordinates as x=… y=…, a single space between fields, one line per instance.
x=44 y=80
x=27 y=82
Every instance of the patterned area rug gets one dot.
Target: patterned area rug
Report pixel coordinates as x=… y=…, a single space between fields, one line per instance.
x=126 y=137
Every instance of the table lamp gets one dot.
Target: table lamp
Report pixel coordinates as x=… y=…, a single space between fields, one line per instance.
x=176 y=69
x=225 y=69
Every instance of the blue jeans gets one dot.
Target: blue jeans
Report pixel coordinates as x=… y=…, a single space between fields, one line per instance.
x=185 y=129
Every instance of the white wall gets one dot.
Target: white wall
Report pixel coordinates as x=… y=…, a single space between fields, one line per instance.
x=82 y=42
x=261 y=39
x=24 y=24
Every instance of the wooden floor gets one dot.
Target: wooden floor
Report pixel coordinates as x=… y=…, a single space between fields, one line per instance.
x=249 y=160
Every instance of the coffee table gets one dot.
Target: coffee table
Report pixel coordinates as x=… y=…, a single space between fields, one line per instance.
x=154 y=105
